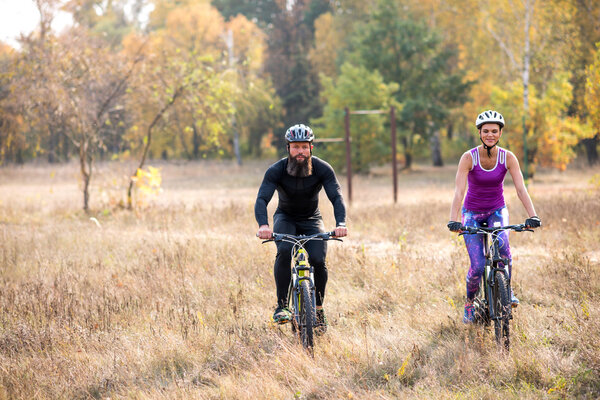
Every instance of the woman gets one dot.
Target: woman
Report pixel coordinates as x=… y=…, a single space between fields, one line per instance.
x=484 y=168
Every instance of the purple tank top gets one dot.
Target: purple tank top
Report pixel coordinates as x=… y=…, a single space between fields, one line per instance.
x=486 y=187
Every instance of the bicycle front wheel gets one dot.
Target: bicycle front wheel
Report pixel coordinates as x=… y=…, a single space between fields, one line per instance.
x=502 y=309
x=306 y=313
x=480 y=309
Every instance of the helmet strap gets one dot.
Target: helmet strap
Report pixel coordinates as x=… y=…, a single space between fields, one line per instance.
x=488 y=148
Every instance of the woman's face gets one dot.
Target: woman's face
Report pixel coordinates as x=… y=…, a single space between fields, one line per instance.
x=490 y=134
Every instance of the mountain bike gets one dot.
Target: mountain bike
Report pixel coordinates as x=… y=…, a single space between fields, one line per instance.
x=301 y=293
x=493 y=300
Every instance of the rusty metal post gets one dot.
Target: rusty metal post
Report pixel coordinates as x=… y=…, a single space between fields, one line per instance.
x=348 y=153
x=394 y=162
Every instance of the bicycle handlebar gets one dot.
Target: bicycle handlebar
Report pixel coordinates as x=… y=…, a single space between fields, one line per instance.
x=469 y=230
x=278 y=237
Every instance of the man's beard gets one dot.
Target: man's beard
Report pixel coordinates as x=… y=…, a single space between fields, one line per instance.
x=299 y=169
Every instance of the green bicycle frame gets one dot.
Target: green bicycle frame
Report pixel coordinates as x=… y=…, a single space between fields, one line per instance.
x=301 y=271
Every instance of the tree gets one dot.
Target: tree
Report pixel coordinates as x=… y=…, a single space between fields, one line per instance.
x=12 y=143
x=66 y=87
x=356 y=88
x=592 y=102
x=581 y=53
x=30 y=90
x=407 y=52
x=555 y=135
x=69 y=85
x=293 y=77
x=106 y=19
x=328 y=42
x=258 y=113
x=257 y=107
x=182 y=91
x=95 y=81
x=331 y=30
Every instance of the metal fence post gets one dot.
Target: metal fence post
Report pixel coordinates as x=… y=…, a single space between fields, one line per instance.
x=348 y=152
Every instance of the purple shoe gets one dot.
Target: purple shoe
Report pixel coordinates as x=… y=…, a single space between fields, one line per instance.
x=469 y=316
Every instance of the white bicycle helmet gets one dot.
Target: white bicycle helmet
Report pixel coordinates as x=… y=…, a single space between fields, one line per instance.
x=299 y=133
x=489 y=117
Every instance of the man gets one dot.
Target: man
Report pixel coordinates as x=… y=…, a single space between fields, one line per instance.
x=298 y=179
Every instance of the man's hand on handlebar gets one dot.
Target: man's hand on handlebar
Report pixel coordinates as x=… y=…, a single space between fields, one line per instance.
x=341 y=231
x=264 y=232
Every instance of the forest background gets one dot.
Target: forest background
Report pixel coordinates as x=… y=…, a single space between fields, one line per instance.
x=223 y=79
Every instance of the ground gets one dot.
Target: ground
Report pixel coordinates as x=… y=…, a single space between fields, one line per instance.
x=173 y=299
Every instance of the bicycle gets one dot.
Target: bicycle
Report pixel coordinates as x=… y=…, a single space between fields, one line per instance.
x=301 y=297
x=493 y=299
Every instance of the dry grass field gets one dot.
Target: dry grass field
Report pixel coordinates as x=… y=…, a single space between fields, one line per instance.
x=173 y=301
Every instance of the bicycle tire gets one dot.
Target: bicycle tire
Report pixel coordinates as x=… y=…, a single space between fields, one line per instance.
x=306 y=315
x=480 y=309
x=502 y=309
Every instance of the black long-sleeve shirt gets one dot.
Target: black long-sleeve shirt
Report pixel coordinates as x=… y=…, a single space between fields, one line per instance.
x=299 y=197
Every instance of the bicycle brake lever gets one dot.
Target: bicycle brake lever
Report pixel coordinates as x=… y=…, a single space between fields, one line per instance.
x=523 y=230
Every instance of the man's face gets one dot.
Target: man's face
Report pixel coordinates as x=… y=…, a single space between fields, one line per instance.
x=300 y=151
x=490 y=134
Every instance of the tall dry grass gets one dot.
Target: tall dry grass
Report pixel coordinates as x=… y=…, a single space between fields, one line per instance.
x=173 y=301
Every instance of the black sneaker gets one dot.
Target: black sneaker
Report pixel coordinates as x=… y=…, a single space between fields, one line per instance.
x=321 y=325
x=282 y=315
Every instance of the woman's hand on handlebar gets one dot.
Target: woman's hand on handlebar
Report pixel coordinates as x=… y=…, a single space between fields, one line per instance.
x=264 y=232
x=533 y=222
x=454 y=226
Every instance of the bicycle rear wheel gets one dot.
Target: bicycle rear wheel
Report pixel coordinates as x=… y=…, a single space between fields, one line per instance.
x=306 y=313
x=502 y=309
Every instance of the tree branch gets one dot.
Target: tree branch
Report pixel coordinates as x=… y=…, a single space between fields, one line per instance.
x=119 y=86
x=504 y=47
x=157 y=118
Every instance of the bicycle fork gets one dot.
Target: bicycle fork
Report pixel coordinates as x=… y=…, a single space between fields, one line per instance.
x=302 y=271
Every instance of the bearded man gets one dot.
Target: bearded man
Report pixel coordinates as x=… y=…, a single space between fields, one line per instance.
x=298 y=179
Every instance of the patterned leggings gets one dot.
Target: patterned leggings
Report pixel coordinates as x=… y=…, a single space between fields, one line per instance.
x=475 y=248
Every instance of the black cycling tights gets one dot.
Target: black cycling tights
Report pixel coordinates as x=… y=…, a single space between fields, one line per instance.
x=317 y=250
